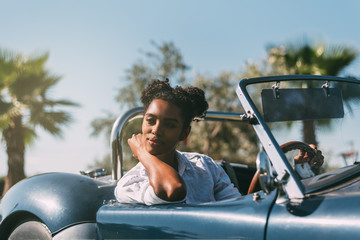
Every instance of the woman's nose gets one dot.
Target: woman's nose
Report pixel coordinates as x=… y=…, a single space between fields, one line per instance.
x=156 y=130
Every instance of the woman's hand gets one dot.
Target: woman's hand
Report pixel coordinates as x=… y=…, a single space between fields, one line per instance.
x=136 y=144
x=165 y=180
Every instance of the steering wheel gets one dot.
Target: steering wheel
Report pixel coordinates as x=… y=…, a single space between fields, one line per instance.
x=286 y=147
x=294 y=145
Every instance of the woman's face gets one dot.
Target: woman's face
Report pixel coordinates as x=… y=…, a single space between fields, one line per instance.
x=162 y=127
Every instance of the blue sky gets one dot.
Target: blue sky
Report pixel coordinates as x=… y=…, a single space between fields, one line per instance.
x=91 y=44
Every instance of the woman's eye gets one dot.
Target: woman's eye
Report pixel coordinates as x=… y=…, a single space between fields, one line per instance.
x=150 y=121
x=170 y=125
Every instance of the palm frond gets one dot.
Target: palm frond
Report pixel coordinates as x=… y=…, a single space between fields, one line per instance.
x=49 y=81
x=35 y=63
x=52 y=103
x=5 y=107
x=25 y=86
x=335 y=59
x=29 y=135
x=52 y=121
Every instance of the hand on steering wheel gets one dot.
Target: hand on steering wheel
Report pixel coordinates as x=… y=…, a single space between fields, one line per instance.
x=308 y=153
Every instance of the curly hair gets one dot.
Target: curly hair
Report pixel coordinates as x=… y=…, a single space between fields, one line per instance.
x=190 y=100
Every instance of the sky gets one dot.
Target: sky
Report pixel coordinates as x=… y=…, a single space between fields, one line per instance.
x=92 y=44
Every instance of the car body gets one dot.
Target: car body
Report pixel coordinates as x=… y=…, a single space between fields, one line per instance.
x=294 y=200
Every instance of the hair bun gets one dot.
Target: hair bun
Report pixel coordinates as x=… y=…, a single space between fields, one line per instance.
x=197 y=98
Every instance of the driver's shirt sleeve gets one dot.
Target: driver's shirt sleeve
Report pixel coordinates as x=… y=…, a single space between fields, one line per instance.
x=223 y=188
x=134 y=187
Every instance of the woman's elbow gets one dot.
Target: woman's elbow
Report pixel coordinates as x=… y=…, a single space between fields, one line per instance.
x=172 y=192
x=177 y=192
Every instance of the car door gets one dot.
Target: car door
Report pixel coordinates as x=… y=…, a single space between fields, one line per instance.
x=333 y=215
x=245 y=217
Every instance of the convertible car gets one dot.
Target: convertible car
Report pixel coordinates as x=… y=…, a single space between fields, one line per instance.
x=281 y=198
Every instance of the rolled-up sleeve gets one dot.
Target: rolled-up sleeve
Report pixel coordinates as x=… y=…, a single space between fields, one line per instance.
x=134 y=187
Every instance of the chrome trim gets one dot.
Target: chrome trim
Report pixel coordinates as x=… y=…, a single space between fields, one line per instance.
x=115 y=141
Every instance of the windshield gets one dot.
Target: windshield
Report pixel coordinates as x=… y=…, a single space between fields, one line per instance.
x=319 y=112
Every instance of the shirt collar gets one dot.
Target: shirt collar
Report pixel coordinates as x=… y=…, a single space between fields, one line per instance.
x=183 y=162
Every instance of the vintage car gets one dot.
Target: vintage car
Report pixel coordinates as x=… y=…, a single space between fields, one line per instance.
x=293 y=201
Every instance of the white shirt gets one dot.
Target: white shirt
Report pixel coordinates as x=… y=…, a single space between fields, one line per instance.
x=205 y=181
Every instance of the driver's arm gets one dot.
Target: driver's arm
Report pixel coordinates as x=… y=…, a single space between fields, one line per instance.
x=315 y=163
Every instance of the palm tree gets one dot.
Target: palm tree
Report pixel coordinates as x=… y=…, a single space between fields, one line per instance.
x=24 y=93
x=310 y=59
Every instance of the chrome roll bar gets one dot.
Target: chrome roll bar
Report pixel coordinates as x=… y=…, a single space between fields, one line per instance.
x=116 y=143
x=135 y=113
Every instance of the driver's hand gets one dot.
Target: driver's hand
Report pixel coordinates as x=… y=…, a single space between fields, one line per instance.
x=315 y=163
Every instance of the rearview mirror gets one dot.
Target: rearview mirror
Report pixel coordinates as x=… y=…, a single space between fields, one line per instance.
x=301 y=104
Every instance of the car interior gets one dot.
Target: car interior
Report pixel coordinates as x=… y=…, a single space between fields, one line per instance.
x=240 y=175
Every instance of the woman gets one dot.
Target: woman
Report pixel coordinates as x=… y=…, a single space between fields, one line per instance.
x=163 y=174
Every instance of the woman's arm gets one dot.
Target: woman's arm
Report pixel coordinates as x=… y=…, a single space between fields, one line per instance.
x=164 y=179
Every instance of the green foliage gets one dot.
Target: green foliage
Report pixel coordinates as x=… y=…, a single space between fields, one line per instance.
x=165 y=62
x=25 y=83
x=310 y=58
x=103 y=124
x=26 y=88
x=234 y=141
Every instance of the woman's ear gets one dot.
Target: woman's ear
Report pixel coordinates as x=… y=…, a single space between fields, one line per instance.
x=185 y=133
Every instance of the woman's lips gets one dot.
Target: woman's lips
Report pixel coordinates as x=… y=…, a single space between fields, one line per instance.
x=154 y=142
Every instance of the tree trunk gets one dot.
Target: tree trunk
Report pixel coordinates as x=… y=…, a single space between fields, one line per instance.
x=15 y=148
x=309 y=135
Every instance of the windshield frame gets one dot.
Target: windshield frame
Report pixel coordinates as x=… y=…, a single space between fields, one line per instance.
x=294 y=186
